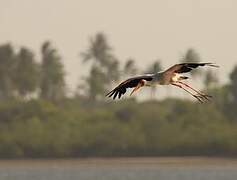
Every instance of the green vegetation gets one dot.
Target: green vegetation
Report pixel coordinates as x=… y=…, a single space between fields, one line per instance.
x=39 y=128
x=38 y=120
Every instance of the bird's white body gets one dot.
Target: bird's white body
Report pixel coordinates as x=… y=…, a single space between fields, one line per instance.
x=160 y=78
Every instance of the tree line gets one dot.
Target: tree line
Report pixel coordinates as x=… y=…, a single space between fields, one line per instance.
x=38 y=119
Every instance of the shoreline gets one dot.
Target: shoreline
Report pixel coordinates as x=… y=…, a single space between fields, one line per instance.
x=122 y=161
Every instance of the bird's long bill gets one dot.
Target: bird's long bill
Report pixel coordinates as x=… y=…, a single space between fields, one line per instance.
x=135 y=89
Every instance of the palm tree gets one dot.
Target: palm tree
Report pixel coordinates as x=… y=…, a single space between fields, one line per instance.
x=99 y=50
x=104 y=65
x=52 y=74
x=27 y=77
x=7 y=65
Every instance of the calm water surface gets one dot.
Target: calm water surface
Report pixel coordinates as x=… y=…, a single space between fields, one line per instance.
x=117 y=170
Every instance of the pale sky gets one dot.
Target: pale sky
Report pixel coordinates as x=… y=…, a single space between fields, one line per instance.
x=142 y=29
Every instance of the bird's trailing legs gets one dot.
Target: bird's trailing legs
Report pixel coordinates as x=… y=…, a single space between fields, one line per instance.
x=207 y=97
x=140 y=84
x=198 y=97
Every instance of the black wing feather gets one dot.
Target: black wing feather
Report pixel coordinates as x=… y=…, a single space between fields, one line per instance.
x=187 y=67
x=129 y=83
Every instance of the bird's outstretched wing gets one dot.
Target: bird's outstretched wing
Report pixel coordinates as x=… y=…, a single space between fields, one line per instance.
x=129 y=83
x=187 y=67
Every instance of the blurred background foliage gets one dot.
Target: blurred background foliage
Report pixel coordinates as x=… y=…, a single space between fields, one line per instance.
x=39 y=120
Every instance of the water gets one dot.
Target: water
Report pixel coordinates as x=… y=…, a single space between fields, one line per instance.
x=116 y=171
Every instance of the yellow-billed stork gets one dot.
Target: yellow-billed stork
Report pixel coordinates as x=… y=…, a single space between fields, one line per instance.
x=172 y=76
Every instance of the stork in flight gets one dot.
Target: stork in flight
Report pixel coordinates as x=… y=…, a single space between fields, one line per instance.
x=172 y=76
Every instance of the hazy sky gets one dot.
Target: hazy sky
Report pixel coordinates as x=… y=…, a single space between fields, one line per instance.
x=142 y=29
